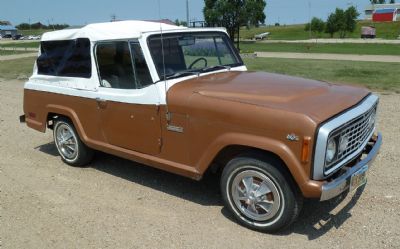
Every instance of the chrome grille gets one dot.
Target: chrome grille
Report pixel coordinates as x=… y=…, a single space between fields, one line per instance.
x=354 y=122
x=357 y=131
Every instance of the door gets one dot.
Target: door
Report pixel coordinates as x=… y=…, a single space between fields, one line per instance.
x=127 y=99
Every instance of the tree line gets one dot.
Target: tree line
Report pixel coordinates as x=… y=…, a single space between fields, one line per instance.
x=341 y=21
x=39 y=25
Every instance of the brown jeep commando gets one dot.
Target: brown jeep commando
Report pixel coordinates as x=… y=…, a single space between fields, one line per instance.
x=182 y=100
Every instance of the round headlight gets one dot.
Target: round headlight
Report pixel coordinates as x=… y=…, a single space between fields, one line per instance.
x=343 y=142
x=331 y=150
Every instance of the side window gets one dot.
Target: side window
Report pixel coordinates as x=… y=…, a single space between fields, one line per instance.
x=78 y=63
x=142 y=73
x=116 y=70
x=69 y=58
x=115 y=65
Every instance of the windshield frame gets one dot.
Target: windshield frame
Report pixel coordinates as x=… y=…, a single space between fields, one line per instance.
x=223 y=35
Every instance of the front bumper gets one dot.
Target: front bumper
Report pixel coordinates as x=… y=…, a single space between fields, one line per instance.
x=340 y=184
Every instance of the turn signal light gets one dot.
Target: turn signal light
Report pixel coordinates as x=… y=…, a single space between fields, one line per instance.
x=305 y=151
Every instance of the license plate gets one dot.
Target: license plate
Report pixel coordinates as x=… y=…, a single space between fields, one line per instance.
x=359 y=178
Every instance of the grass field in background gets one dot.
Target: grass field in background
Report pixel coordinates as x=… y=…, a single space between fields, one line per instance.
x=16 y=68
x=21 y=44
x=376 y=76
x=10 y=52
x=346 y=48
x=34 y=31
x=387 y=30
x=296 y=32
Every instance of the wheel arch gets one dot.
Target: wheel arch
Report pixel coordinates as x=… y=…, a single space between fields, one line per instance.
x=231 y=151
x=230 y=146
x=54 y=111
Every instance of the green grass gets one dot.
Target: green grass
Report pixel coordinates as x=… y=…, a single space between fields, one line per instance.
x=34 y=31
x=16 y=68
x=376 y=76
x=297 y=32
x=21 y=44
x=346 y=48
x=10 y=52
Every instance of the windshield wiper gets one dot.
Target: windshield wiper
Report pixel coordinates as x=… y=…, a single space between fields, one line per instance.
x=213 y=68
x=196 y=72
x=181 y=74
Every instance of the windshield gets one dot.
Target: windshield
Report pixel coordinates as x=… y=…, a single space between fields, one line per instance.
x=192 y=53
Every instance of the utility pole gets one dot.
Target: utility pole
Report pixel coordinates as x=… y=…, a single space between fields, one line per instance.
x=309 y=15
x=187 y=13
x=52 y=23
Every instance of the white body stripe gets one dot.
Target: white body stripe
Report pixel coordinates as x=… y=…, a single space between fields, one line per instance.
x=152 y=95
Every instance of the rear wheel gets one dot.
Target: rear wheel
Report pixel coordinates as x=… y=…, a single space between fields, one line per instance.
x=259 y=194
x=70 y=147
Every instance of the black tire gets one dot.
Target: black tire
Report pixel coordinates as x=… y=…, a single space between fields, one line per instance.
x=83 y=155
x=290 y=198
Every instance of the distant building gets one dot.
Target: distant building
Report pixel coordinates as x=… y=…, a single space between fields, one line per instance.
x=5 y=23
x=383 y=12
x=6 y=30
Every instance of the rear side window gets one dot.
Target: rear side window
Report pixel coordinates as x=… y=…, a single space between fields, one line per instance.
x=115 y=65
x=122 y=65
x=70 y=58
x=142 y=73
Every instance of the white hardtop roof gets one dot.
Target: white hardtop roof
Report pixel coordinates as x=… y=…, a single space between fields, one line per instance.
x=115 y=31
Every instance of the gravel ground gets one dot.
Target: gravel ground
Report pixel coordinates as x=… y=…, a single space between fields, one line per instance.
x=115 y=203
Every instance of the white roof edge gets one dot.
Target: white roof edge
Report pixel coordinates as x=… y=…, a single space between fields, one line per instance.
x=186 y=30
x=108 y=30
x=118 y=30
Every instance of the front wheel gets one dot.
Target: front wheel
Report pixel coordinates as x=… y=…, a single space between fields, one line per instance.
x=259 y=194
x=70 y=147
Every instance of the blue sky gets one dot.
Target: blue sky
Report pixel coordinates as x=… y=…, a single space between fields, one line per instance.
x=80 y=12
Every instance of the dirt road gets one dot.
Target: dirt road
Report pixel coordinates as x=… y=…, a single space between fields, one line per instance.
x=320 y=56
x=115 y=203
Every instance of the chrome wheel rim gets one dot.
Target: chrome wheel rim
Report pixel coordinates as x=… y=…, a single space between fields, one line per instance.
x=66 y=142
x=255 y=195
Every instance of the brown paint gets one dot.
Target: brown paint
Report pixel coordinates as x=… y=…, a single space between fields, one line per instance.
x=132 y=127
x=256 y=110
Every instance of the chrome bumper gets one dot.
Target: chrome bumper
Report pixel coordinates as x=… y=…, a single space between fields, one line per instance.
x=342 y=183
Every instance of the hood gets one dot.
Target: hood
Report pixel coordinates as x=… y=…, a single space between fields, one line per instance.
x=319 y=100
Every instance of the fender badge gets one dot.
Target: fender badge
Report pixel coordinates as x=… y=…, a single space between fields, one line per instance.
x=175 y=128
x=292 y=137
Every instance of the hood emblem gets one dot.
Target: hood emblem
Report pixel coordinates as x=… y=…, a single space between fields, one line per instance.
x=292 y=137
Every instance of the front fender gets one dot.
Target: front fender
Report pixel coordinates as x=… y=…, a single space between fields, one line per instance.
x=309 y=188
